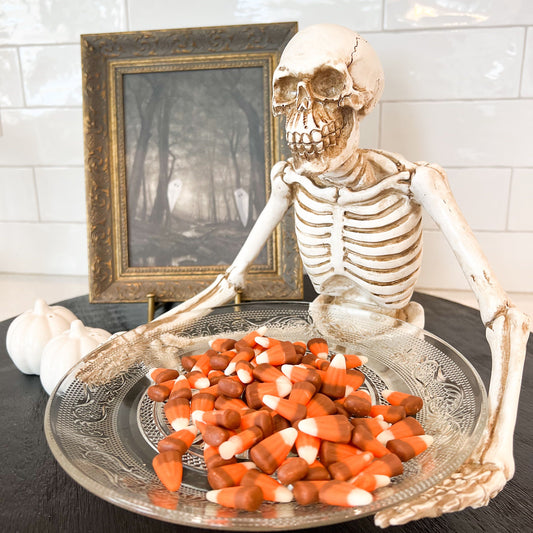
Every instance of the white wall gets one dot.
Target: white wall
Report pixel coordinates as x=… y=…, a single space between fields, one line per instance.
x=459 y=91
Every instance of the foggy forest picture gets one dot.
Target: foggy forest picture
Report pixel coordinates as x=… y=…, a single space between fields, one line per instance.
x=195 y=164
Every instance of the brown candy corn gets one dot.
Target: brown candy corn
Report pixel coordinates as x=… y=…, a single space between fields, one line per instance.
x=228 y=475
x=291 y=470
x=245 y=498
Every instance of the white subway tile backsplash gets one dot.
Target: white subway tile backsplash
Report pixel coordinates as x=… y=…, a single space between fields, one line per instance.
x=458 y=64
x=10 y=85
x=41 y=136
x=363 y=15
x=58 y=21
x=510 y=255
x=402 y=14
x=61 y=194
x=482 y=196
x=369 y=129
x=43 y=248
x=520 y=206
x=18 y=200
x=52 y=75
x=461 y=133
x=527 y=75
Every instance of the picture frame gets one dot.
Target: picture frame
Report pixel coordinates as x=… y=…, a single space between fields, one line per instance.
x=179 y=144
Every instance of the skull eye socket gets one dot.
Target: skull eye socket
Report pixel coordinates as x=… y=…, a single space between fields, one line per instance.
x=328 y=83
x=285 y=89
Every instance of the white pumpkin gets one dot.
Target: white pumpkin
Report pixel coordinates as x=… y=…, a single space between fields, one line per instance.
x=29 y=333
x=64 y=351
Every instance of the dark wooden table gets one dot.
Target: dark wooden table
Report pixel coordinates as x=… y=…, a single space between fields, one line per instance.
x=37 y=495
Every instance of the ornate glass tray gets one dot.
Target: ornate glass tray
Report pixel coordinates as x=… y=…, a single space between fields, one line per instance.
x=103 y=429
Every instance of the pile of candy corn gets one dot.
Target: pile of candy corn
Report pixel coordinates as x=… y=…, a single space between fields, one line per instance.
x=310 y=432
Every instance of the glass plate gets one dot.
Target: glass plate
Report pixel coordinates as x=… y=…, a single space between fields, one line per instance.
x=103 y=429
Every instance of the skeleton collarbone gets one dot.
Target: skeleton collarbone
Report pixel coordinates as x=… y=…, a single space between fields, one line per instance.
x=364 y=241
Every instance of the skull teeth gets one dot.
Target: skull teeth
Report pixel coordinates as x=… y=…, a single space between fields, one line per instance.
x=316 y=141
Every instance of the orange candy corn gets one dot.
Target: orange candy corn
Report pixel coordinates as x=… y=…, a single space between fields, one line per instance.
x=228 y=475
x=408 y=447
x=353 y=361
x=249 y=338
x=364 y=440
x=158 y=375
x=307 y=447
x=198 y=380
x=318 y=347
x=221 y=344
x=244 y=355
x=202 y=401
x=291 y=470
x=302 y=392
x=334 y=380
x=370 y=482
x=226 y=418
x=411 y=404
x=353 y=379
x=178 y=411
x=269 y=373
x=350 y=467
x=273 y=491
x=343 y=494
x=335 y=428
x=279 y=354
x=374 y=425
x=255 y=391
x=297 y=373
x=266 y=342
x=244 y=371
x=331 y=452
x=161 y=391
x=388 y=465
x=224 y=402
x=272 y=451
x=245 y=498
x=179 y=441
x=292 y=411
x=169 y=469
x=390 y=413
x=320 y=405
x=306 y=492
x=203 y=364
x=240 y=442
x=261 y=419
x=408 y=427
x=212 y=458
x=181 y=388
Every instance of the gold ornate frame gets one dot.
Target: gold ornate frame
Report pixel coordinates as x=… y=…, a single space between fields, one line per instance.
x=106 y=58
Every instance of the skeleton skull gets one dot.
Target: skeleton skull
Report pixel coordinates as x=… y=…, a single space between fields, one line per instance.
x=328 y=77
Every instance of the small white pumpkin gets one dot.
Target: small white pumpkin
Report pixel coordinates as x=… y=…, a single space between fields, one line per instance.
x=64 y=351
x=29 y=333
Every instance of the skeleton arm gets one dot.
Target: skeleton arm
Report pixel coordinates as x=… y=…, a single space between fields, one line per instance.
x=491 y=465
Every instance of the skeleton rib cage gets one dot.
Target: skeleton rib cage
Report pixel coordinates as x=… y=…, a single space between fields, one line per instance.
x=371 y=237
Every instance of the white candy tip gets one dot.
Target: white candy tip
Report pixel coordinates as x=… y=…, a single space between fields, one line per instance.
x=262 y=341
x=287 y=370
x=283 y=495
x=308 y=454
x=244 y=376
x=179 y=423
x=322 y=355
x=364 y=359
x=270 y=401
x=202 y=383
x=428 y=439
x=284 y=387
x=339 y=361
x=289 y=435
x=385 y=436
x=230 y=369
x=261 y=358
x=359 y=496
x=212 y=495
x=261 y=331
x=381 y=480
x=308 y=425
x=227 y=450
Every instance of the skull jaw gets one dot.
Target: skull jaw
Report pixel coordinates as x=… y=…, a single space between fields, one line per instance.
x=335 y=159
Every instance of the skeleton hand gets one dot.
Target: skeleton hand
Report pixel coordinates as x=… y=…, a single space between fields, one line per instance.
x=491 y=465
x=473 y=485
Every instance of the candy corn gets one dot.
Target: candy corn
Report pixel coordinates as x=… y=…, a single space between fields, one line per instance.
x=240 y=442
x=343 y=494
x=272 y=451
x=228 y=475
x=411 y=404
x=409 y=447
x=408 y=427
x=272 y=490
x=335 y=428
x=169 y=469
x=318 y=347
x=246 y=498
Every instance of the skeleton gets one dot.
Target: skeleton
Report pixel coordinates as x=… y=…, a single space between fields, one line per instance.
x=358 y=226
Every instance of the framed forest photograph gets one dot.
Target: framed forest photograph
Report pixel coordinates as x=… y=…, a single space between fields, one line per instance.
x=179 y=144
